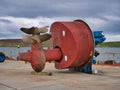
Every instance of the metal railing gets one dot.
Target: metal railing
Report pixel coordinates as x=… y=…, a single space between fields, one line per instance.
x=109 y=56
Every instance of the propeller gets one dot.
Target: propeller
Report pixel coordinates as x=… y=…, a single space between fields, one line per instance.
x=35 y=37
x=34 y=30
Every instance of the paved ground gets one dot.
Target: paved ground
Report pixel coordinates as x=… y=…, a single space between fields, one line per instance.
x=16 y=75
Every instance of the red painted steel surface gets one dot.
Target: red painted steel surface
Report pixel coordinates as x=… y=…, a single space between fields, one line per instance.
x=53 y=55
x=36 y=57
x=75 y=40
x=38 y=60
x=73 y=45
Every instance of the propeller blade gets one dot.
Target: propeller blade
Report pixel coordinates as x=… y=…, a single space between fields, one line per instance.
x=29 y=30
x=45 y=37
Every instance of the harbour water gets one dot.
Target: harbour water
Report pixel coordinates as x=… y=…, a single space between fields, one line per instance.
x=105 y=56
x=14 y=51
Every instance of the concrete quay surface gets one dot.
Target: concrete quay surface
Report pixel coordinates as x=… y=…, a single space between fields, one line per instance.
x=16 y=75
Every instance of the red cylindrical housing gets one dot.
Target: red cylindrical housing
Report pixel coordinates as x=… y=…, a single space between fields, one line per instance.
x=24 y=56
x=53 y=55
x=76 y=42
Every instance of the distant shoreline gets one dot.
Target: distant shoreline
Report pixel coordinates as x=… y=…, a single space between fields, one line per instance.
x=109 y=44
x=16 y=42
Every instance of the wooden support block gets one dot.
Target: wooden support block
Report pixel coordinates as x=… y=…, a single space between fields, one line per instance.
x=41 y=73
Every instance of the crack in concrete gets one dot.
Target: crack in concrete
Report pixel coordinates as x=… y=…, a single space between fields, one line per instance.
x=8 y=86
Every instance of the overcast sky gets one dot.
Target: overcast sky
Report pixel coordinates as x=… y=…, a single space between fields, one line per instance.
x=99 y=14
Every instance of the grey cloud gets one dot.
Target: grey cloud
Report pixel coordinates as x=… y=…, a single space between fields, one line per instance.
x=5 y=21
x=113 y=28
x=55 y=8
x=71 y=9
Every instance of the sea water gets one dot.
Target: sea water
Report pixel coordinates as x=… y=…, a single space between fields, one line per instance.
x=14 y=51
x=104 y=56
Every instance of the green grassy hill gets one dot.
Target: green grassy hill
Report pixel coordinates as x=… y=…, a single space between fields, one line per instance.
x=16 y=42
x=109 y=44
x=12 y=42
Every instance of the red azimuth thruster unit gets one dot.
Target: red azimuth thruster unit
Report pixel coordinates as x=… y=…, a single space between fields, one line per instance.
x=75 y=41
x=73 y=45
